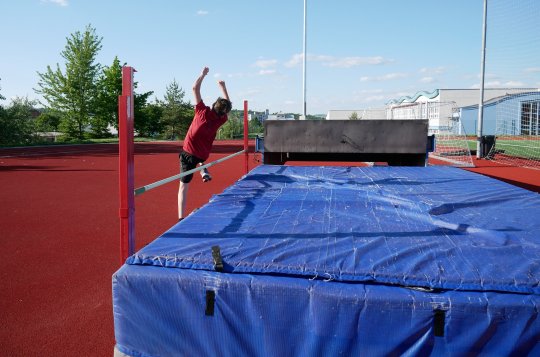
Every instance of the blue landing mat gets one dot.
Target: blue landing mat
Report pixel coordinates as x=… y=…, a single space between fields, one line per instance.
x=412 y=259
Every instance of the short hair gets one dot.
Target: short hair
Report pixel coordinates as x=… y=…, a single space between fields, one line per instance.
x=222 y=106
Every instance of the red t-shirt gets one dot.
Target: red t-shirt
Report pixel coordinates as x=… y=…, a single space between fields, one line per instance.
x=202 y=131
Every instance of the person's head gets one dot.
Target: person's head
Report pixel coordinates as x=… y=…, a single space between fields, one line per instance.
x=222 y=106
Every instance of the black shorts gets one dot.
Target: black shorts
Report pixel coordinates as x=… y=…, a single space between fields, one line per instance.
x=188 y=162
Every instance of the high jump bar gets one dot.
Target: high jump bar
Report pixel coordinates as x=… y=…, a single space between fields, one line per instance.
x=148 y=187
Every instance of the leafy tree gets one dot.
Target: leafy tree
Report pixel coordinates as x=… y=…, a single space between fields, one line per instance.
x=47 y=121
x=148 y=120
x=147 y=116
x=353 y=116
x=1 y=96
x=73 y=91
x=16 y=122
x=255 y=126
x=233 y=127
x=2 y=111
x=3 y=122
x=177 y=113
x=108 y=88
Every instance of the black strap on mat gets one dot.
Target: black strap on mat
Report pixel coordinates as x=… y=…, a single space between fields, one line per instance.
x=218 y=261
x=438 y=322
x=210 y=301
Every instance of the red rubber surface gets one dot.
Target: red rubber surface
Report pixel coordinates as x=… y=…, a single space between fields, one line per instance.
x=59 y=238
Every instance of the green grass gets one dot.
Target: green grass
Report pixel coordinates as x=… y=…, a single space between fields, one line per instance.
x=513 y=147
x=519 y=148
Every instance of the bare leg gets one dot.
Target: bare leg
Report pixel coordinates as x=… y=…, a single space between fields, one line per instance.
x=182 y=198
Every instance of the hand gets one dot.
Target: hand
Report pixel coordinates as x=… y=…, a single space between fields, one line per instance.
x=223 y=89
x=205 y=71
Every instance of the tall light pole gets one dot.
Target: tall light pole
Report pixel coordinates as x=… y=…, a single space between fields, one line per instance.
x=304 y=69
x=479 y=148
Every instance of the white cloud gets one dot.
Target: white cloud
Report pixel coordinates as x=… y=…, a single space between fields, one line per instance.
x=250 y=92
x=393 y=76
x=296 y=59
x=427 y=80
x=499 y=84
x=386 y=77
x=532 y=70
x=491 y=76
x=434 y=70
x=338 y=62
x=400 y=94
x=57 y=2
x=229 y=75
x=235 y=75
x=348 y=62
x=515 y=84
x=370 y=91
x=202 y=12
x=491 y=84
x=265 y=63
x=374 y=98
x=264 y=72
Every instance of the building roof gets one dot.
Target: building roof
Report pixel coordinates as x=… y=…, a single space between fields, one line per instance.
x=436 y=92
x=503 y=98
x=413 y=98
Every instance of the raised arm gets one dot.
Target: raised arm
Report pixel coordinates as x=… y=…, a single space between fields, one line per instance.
x=221 y=84
x=197 y=85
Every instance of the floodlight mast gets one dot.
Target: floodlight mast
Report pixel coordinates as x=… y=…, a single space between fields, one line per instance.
x=479 y=146
x=304 y=57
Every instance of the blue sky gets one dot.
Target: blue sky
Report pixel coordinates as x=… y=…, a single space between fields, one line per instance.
x=361 y=53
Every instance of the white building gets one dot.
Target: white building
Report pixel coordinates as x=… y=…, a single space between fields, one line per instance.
x=262 y=116
x=441 y=106
x=379 y=113
x=280 y=116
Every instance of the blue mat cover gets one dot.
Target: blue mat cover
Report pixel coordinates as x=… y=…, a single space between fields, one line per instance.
x=325 y=261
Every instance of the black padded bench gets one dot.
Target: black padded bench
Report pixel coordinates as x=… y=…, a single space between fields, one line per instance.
x=397 y=142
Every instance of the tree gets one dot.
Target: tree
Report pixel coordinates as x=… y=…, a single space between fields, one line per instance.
x=47 y=121
x=233 y=127
x=3 y=120
x=108 y=88
x=1 y=96
x=148 y=120
x=353 y=116
x=255 y=126
x=73 y=92
x=177 y=113
x=147 y=116
x=16 y=122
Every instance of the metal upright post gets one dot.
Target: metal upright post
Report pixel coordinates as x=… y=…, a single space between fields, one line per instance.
x=305 y=59
x=246 y=132
x=479 y=129
x=126 y=165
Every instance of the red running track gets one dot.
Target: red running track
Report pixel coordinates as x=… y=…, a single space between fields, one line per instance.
x=59 y=235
